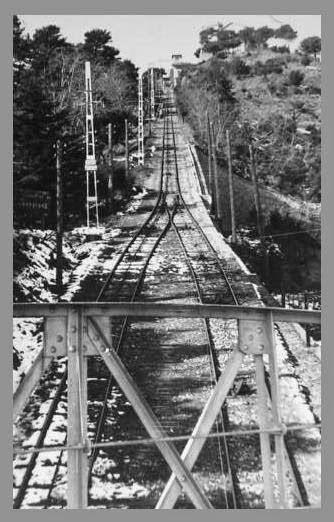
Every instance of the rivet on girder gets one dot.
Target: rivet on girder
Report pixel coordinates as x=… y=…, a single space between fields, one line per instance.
x=72 y=348
x=53 y=349
x=59 y=338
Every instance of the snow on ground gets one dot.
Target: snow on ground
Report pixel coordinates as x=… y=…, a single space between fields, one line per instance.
x=104 y=491
x=88 y=254
x=135 y=202
x=27 y=341
x=34 y=280
x=34 y=276
x=34 y=264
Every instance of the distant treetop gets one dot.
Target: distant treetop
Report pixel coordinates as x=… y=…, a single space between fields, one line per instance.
x=286 y=32
x=97 y=47
x=311 y=45
x=218 y=40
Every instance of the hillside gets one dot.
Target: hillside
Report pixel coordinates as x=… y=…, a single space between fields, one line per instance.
x=269 y=99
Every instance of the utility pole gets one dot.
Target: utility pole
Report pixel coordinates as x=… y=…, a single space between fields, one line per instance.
x=307 y=326
x=90 y=163
x=110 y=165
x=230 y=180
x=126 y=152
x=148 y=104
x=59 y=235
x=258 y=212
x=256 y=191
x=211 y=186
x=152 y=95
x=140 y=122
x=215 y=176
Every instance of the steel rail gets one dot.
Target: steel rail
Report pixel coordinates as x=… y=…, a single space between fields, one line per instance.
x=54 y=478
x=137 y=234
x=158 y=207
x=198 y=226
x=213 y=356
x=40 y=441
x=125 y=324
x=214 y=365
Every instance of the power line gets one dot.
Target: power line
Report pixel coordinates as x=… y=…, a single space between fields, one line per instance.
x=293 y=233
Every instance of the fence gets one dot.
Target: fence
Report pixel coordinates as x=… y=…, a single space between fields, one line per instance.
x=32 y=207
x=81 y=330
x=308 y=301
x=303 y=300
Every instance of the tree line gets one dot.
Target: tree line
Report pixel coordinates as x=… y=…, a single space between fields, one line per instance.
x=264 y=112
x=220 y=40
x=49 y=104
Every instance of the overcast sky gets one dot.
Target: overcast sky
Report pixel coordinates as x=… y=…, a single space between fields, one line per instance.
x=150 y=40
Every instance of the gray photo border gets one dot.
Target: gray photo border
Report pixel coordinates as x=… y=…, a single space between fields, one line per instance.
x=148 y=7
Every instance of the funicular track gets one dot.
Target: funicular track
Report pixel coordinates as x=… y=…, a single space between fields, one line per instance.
x=169 y=204
x=123 y=286
x=170 y=215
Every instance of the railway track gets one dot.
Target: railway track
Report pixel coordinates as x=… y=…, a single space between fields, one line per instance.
x=170 y=204
x=170 y=232
x=51 y=419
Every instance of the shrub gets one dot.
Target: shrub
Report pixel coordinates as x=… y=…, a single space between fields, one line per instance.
x=296 y=77
x=305 y=60
x=239 y=67
x=258 y=68
x=312 y=84
x=277 y=87
x=274 y=65
x=313 y=89
x=282 y=49
x=311 y=45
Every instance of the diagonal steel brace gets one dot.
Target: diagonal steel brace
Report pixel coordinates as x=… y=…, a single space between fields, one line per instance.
x=146 y=415
x=202 y=429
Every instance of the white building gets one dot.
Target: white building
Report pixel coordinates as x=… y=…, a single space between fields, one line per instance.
x=174 y=72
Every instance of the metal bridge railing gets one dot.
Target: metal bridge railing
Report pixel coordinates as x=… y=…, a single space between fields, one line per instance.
x=81 y=330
